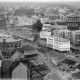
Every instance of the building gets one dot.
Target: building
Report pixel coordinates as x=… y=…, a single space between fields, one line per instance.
x=8 y=44
x=72 y=22
x=44 y=20
x=46 y=27
x=20 y=72
x=59 y=27
x=54 y=17
x=66 y=34
x=75 y=37
x=57 y=43
x=45 y=34
x=60 y=21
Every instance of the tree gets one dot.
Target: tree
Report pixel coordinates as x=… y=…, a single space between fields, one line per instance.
x=37 y=26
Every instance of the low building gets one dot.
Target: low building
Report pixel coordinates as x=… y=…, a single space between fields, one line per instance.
x=57 y=43
x=44 y=34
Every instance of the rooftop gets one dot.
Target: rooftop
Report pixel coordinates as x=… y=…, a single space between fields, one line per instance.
x=28 y=48
x=59 y=20
x=10 y=39
x=4 y=35
x=72 y=15
x=76 y=31
x=76 y=75
x=52 y=76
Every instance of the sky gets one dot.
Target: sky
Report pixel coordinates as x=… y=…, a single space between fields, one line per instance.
x=39 y=0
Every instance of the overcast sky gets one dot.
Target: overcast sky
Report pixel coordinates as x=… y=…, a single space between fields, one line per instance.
x=39 y=0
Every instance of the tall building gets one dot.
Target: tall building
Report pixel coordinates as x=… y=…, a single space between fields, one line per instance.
x=72 y=22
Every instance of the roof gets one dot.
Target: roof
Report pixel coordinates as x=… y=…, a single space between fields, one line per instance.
x=28 y=48
x=52 y=76
x=65 y=30
x=72 y=15
x=59 y=39
x=4 y=35
x=59 y=20
x=68 y=61
x=76 y=75
x=46 y=24
x=76 y=31
x=10 y=40
x=15 y=56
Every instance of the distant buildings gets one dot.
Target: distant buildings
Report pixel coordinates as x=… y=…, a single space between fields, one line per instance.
x=24 y=21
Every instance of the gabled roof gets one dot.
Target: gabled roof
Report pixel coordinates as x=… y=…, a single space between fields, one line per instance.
x=15 y=56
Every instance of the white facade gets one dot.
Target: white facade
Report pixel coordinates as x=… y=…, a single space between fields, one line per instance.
x=44 y=20
x=58 y=43
x=45 y=34
x=46 y=27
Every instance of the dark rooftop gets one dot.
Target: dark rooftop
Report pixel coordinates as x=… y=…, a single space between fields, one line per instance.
x=76 y=75
x=69 y=62
x=28 y=48
x=78 y=66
